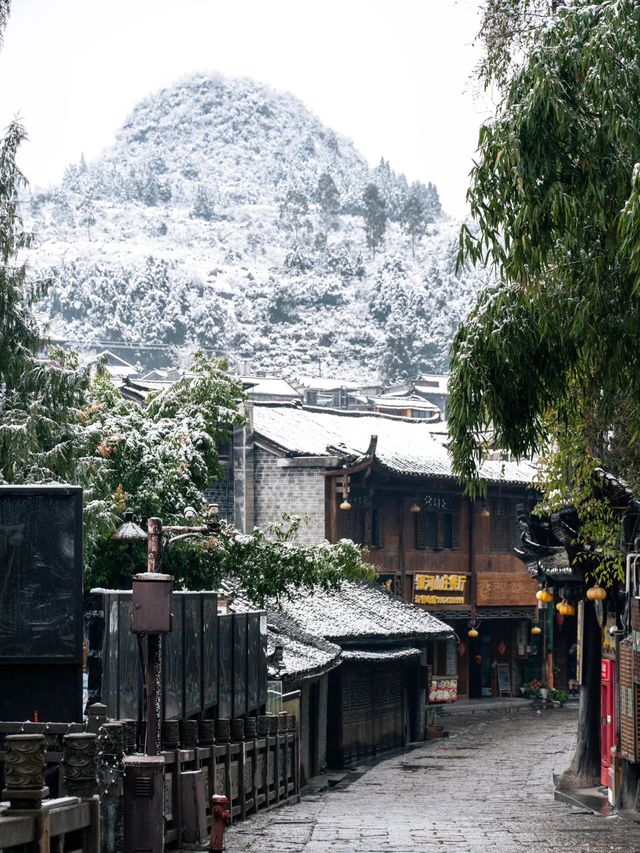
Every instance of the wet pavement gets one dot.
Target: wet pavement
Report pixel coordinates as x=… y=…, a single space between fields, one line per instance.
x=486 y=788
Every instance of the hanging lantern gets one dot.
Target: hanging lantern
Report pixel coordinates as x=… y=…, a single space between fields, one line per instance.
x=343 y=485
x=565 y=609
x=544 y=595
x=472 y=632
x=596 y=593
x=415 y=506
x=536 y=630
x=485 y=512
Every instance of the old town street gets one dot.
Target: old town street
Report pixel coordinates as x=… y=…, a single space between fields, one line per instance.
x=486 y=788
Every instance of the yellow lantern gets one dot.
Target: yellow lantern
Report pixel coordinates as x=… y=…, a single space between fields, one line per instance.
x=569 y=610
x=544 y=595
x=596 y=593
x=345 y=504
x=536 y=630
x=473 y=633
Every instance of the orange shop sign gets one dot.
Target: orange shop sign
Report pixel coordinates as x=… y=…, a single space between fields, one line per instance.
x=433 y=589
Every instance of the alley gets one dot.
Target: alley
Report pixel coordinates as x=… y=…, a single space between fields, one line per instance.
x=487 y=788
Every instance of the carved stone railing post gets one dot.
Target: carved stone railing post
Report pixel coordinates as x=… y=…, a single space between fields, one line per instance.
x=80 y=765
x=96 y=717
x=24 y=771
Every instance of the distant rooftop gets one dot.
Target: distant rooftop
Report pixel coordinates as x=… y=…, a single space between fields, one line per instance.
x=404 y=446
x=268 y=387
x=329 y=383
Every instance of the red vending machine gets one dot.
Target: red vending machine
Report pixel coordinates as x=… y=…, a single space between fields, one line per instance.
x=608 y=717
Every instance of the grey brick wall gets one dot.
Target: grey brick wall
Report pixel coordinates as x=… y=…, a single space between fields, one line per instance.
x=222 y=493
x=299 y=491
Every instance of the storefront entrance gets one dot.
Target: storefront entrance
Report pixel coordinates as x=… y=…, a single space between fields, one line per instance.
x=480 y=666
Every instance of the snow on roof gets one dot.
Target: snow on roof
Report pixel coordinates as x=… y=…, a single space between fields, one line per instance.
x=386 y=655
x=432 y=382
x=303 y=655
x=268 y=386
x=405 y=446
x=358 y=612
x=326 y=383
x=411 y=401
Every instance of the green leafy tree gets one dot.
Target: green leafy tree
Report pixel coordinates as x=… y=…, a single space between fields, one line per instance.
x=38 y=395
x=268 y=564
x=19 y=337
x=548 y=360
x=375 y=217
x=507 y=33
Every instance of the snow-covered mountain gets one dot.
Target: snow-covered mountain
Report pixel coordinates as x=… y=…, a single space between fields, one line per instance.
x=227 y=216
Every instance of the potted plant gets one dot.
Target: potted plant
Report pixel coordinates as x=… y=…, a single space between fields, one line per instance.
x=560 y=696
x=532 y=688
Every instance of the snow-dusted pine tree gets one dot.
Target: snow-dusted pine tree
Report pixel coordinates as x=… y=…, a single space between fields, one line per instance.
x=375 y=216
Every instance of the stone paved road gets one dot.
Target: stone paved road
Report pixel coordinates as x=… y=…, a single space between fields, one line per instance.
x=487 y=789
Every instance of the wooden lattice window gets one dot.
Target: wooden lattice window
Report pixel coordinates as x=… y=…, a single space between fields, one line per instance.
x=363 y=522
x=437 y=527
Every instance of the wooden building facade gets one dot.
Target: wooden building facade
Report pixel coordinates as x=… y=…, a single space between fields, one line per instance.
x=453 y=556
x=429 y=543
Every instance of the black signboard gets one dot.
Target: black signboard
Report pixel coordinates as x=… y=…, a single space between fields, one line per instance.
x=239 y=664
x=209 y=649
x=41 y=602
x=192 y=634
x=173 y=658
x=225 y=665
x=254 y=661
x=41 y=573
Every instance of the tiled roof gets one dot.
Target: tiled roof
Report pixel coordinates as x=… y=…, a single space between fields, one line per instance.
x=405 y=446
x=303 y=654
x=359 y=612
x=362 y=656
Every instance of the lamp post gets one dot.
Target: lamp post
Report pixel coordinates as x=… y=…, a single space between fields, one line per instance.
x=151 y=601
x=151 y=616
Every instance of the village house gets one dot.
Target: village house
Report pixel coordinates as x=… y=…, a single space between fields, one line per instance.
x=376 y=697
x=358 y=657
x=386 y=482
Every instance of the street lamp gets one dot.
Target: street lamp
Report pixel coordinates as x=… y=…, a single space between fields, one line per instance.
x=151 y=615
x=151 y=599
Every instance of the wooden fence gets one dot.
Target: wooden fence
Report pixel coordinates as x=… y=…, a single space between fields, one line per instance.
x=256 y=773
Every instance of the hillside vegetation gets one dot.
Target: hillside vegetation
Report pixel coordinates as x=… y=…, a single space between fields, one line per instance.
x=226 y=216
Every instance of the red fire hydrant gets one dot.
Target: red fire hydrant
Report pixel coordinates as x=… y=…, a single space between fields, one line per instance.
x=221 y=817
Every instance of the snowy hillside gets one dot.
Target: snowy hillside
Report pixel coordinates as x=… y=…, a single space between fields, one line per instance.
x=227 y=216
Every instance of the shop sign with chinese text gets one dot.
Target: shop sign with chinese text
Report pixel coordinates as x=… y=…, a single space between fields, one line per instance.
x=436 y=590
x=443 y=689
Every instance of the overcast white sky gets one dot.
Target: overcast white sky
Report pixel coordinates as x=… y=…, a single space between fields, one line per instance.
x=394 y=75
